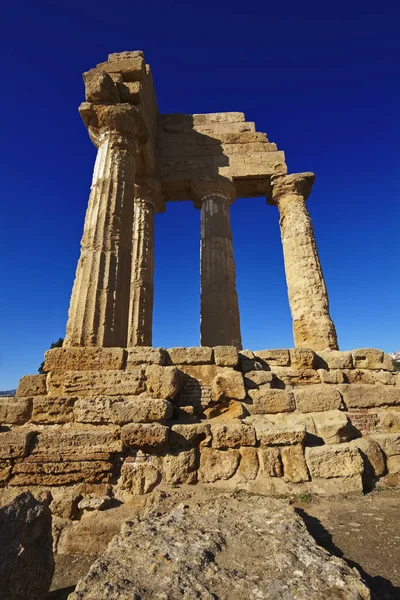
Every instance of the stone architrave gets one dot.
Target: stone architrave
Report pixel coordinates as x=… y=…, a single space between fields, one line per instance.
x=98 y=312
x=148 y=200
x=219 y=307
x=308 y=297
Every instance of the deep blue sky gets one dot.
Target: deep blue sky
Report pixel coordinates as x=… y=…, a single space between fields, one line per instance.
x=321 y=78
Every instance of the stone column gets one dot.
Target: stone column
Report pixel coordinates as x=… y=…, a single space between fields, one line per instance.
x=98 y=312
x=148 y=200
x=308 y=297
x=219 y=308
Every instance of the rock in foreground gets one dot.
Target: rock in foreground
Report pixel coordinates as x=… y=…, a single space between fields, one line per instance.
x=234 y=546
x=26 y=555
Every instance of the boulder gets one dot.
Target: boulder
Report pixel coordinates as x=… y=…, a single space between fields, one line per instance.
x=26 y=555
x=226 y=547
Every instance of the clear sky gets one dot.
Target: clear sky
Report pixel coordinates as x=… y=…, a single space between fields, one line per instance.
x=321 y=78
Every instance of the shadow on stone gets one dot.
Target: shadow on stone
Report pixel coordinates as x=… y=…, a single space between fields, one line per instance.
x=381 y=588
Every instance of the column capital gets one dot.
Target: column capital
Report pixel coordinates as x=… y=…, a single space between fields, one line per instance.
x=124 y=120
x=296 y=185
x=150 y=190
x=205 y=187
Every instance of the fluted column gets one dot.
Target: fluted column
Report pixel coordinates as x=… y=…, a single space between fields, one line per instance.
x=308 y=297
x=219 y=307
x=98 y=312
x=148 y=200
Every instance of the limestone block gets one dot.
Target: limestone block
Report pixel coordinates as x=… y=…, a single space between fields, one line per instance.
x=249 y=464
x=393 y=464
x=145 y=355
x=14 y=411
x=65 y=504
x=15 y=444
x=391 y=480
x=225 y=410
x=296 y=376
x=195 y=434
x=162 y=382
x=294 y=464
x=99 y=87
x=55 y=383
x=248 y=361
x=336 y=460
x=107 y=383
x=226 y=356
x=32 y=385
x=228 y=385
x=180 y=467
x=112 y=410
x=276 y=358
x=385 y=377
x=82 y=443
x=389 y=420
x=232 y=435
x=270 y=461
x=369 y=358
x=315 y=398
x=276 y=435
x=334 y=359
x=366 y=396
x=334 y=376
x=225 y=117
x=132 y=67
x=359 y=376
x=5 y=470
x=131 y=91
x=28 y=473
x=217 y=464
x=139 y=478
x=268 y=400
x=338 y=485
x=144 y=435
x=255 y=379
x=241 y=138
x=303 y=358
x=215 y=129
x=389 y=442
x=197 y=355
x=53 y=410
x=294 y=419
x=84 y=359
x=374 y=463
x=333 y=426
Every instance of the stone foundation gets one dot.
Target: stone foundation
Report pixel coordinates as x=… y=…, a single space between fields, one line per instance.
x=121 y=422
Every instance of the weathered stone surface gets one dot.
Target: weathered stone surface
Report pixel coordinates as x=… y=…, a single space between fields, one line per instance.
x=228 y=385
x=374 y=463
x=333 y=426
x=197 y=355
x=280 y=555
x=112 y=410
x=369 y=358
x=334 y=359
x=276 y=358
x=180 y=467
x=270 y=461
x=138 y=478
x=389 y=442
x=232 y=435
x=270 y=435
x=105 y=383
x=26 y=555
x=140 y=355
x=339 y=460
x=32 y=385
x=14 y=444
x=190 y=433
x=225 y=410
x=53 y=410
x=296 y=377
x=268 y=400
x=14 y=410
x=303 y=358
x=84 y=359
x=5 y=470
x=294 y=464
x=226 y=356
x=64 y=503
x=217 y=464
x=82 y=443
x=255 y=379
x=99 y=87
x=162 y=382
x=144 y=435
x=359 y=376
x=249 y=464
x=52 y=473
x=352 y=484
x=314 y=398
x=393 y=464
x=365 y=396
x=334 y=376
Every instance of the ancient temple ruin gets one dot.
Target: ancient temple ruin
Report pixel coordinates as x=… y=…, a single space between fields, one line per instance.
x=112 y=415
x=154 y=159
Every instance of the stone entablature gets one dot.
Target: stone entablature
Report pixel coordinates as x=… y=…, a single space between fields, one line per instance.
x=272 y=421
